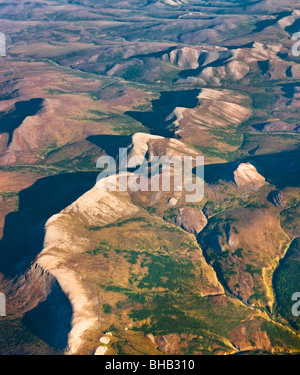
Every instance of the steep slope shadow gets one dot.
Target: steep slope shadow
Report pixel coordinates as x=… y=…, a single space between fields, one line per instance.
x=264 y=66
x=109 y=143
x=216 y=172
x=282 y=169
x=156 y=55
x=223 y=58
x=163 y=107
x=294 y=28
x=51 y=319
x=260 y=127
x=247 y=45
x=261 y=25
x=10 y=121
x=24 y=230
x=290 y=89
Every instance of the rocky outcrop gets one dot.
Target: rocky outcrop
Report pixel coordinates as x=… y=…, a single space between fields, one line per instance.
x=247 y=179
x=191 y=220
x=172 y=202
x=101 y=350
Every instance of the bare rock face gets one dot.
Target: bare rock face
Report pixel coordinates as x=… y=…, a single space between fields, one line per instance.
x=247 y=178
x=101 y=350
x=172 y=202
x=277 y=198
x=191 y=220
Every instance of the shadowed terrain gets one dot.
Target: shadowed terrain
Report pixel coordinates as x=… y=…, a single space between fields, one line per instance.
x=13 y=119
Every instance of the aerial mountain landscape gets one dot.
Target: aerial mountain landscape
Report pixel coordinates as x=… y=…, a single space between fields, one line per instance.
x=88 y=270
